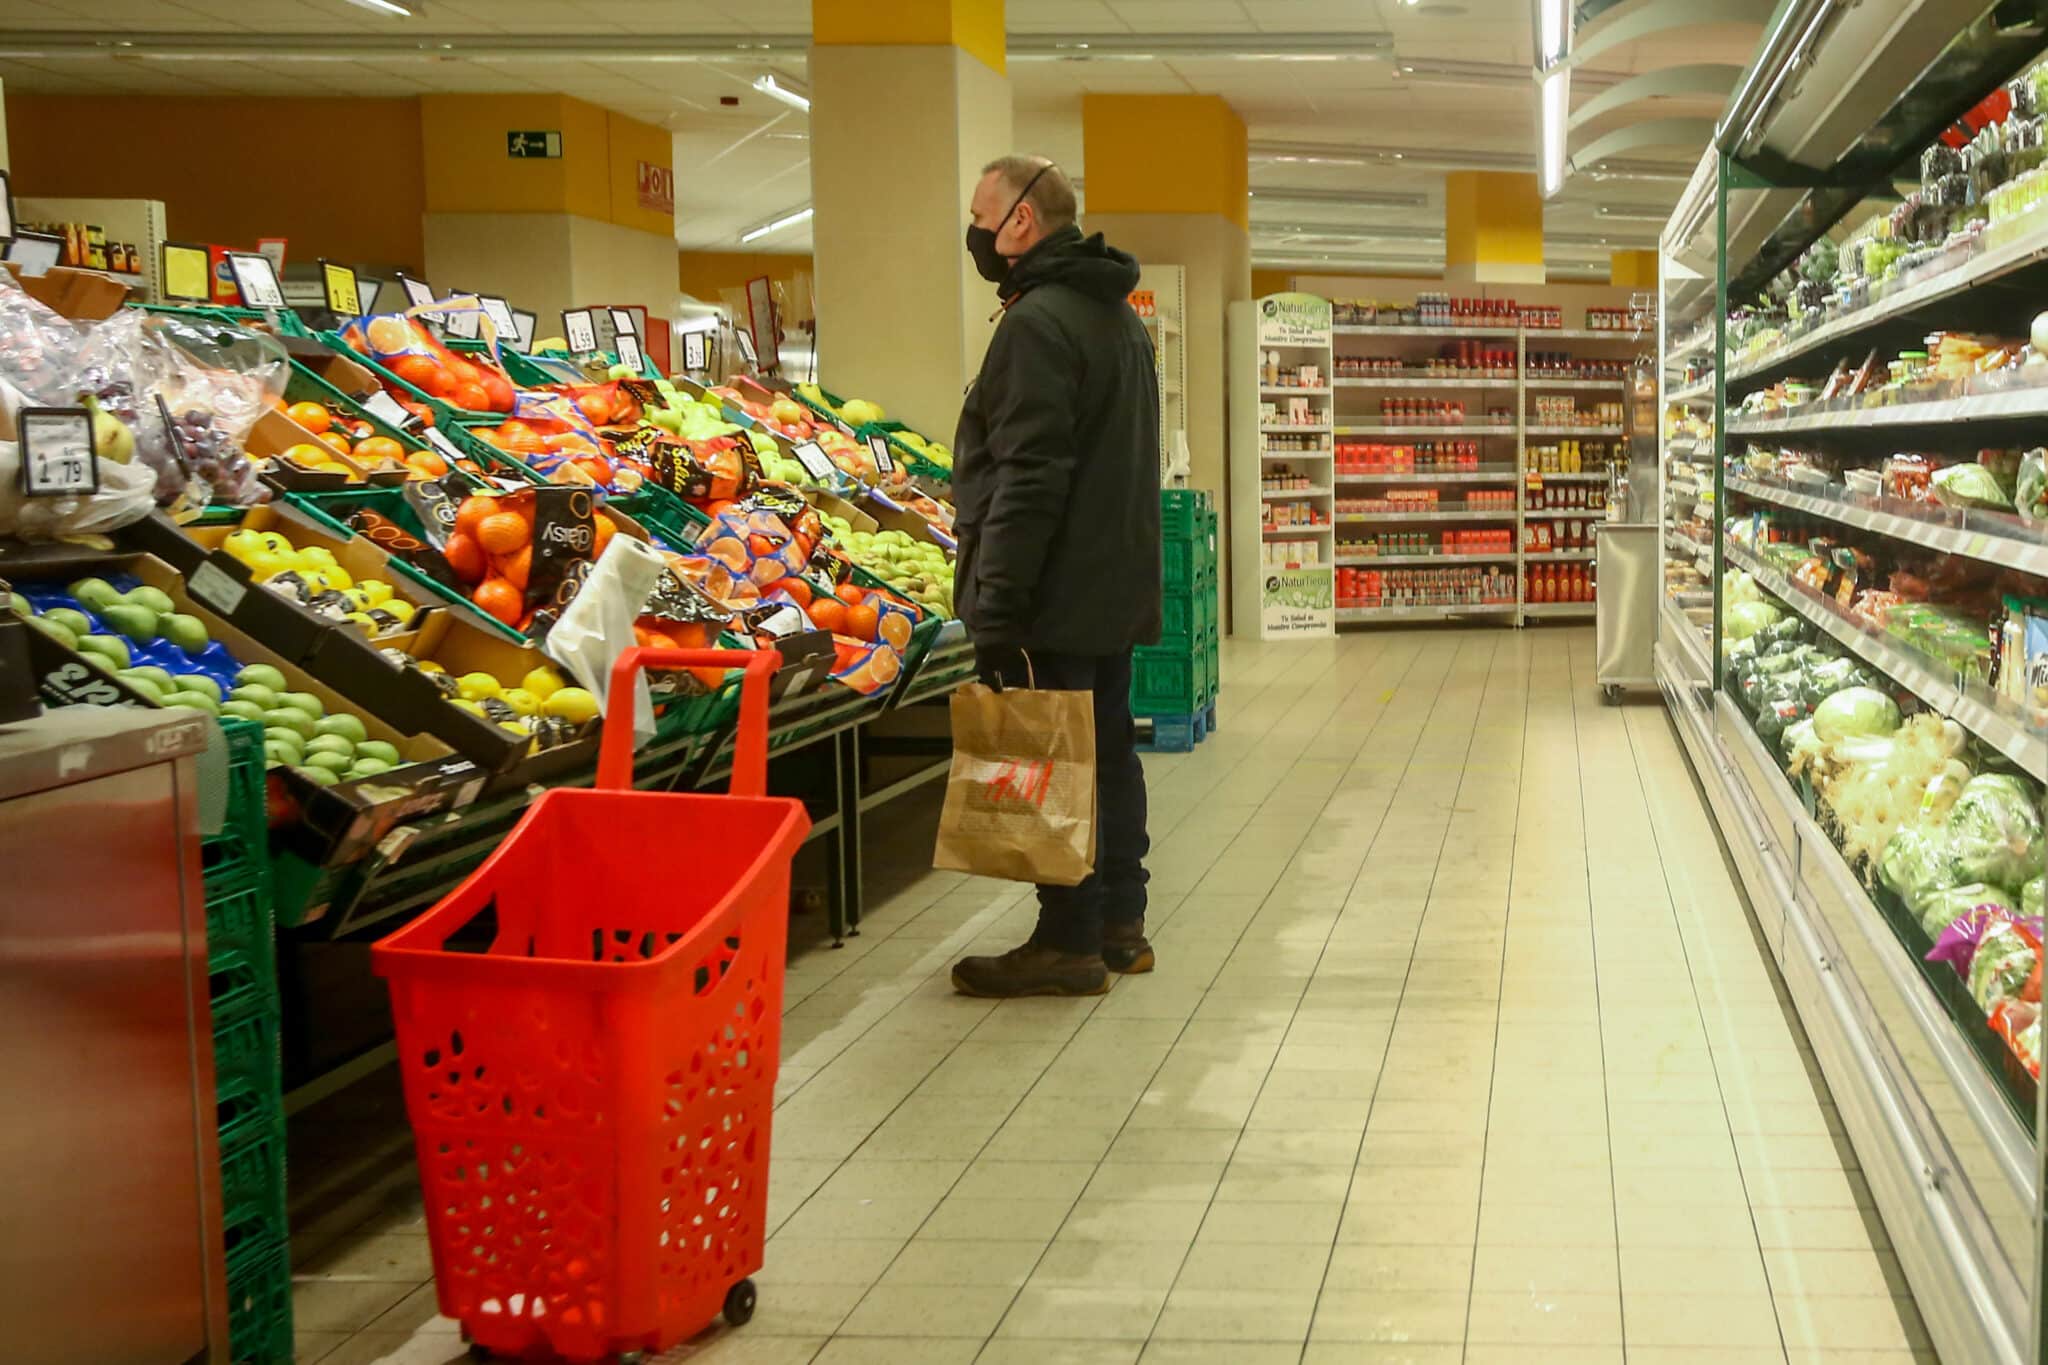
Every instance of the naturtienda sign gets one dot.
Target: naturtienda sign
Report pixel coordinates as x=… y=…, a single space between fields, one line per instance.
x=1293 y=320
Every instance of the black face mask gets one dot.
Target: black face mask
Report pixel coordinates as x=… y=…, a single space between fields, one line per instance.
x=981 y=242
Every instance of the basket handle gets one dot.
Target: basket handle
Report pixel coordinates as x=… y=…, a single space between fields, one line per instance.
x=750 y=745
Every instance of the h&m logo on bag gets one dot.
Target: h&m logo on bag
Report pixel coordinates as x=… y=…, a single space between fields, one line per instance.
x=1019 y=784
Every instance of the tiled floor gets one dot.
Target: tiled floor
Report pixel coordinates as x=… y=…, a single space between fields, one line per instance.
x=1460 y=1050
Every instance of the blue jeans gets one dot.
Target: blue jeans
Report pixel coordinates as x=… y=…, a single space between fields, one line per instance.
x=1070 y=918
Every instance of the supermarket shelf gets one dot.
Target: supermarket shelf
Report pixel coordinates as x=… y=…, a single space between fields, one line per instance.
x=2008 y=405
x=1582 y=476
x=1404 y=561
x=1485 y=514
x=1577 y=385
x=1448 y=476
x=1290 y=429
x=1540 y=334
x=1291 y=532
x=1569 y=513
x=1984 y=268
x=1295 y=390
x=1691 y=393
x=1378 y=381
x=1559 y=608
x=1571 y=431
x=1268 y=494
x=1689 y=447
x=1988 y=543
x=1558 y=557
x=1323 y=454
x=1480 y=429
x=1347 y=615
x=1685 y=350
x=1363 y=329
x=1937 y=687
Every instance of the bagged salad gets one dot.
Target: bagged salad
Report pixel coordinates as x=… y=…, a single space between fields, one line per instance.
x=1995 y=831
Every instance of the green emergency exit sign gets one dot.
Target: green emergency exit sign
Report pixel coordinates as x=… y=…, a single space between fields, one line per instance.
x=534 y=144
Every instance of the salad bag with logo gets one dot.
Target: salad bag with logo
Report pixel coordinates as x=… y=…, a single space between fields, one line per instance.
x=1020 y=800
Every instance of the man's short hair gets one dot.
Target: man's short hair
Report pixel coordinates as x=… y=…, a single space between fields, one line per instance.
x=1052 y=198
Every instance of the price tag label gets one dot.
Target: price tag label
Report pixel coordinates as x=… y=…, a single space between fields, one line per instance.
x=579 y=330
x=438 y=439
x=694 y=357
x=747 y=351
x=344 y=291
x=629 y=352
x=257 y=280
x=418 y=293
x=211 y=585
x=467 y=322
x=500 y=314
x=885 y=459
x=815 y=461
x=623 y=322
x=57 y=455
x=523 y=321
x=386 y=409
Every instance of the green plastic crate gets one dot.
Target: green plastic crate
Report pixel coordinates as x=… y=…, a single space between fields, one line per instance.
x=914 y=464
x=238 y=920
x=260 y=1306
x=1181 y=512
x=1212 y=661
x=241 y=851
x=1188 y=611
x=1167 y=682
x=305 y=385
x=252 y=1187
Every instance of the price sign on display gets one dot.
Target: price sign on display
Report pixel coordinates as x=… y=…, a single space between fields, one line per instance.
x=57 y=456
x=579 y=330
x=623 y=322
x=36 y=252
x=386 y=409
x=465 y=324
x=747 y=351
x=344 y=295
x=257 y=280
x=813 y=458
x=500 y=314
x=878 y=446
x=438 y=439
x=418 y=293
x=694 y=357
x=629 y=352
x=187 y=273
x=523 y=322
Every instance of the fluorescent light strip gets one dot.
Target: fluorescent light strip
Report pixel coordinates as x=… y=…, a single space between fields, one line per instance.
x=383 y=7
x=1556 y=98
x=802 y=215
x=768 y=86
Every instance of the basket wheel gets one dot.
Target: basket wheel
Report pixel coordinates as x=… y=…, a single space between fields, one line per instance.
x=739 y=1303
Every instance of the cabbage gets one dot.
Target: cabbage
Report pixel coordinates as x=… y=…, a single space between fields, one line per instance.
x=1995 y=830
x=1916 y=864
x=1970 y=485
x=1855 y=711
x=1744 y=619
x=1937 y=909
x=1737 y=586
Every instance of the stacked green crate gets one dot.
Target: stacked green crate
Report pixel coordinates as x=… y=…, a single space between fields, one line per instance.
x=242 y=962
x=1178 y=676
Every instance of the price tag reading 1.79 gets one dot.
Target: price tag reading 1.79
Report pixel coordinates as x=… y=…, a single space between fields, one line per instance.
x=813 y=458
x=57 y=456
x=878 y=446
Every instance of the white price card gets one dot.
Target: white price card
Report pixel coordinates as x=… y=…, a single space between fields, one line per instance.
x=813 y=458
x=579 y=330
x=438 y=439
x=624 y=322
x=465 y=323
x=257 y=279
x=57 y=456
x=500 y=314
x=694 y=358
x=629 y=352
x=885 y=459
x=747 y=351
x=418 y=293
x=524 y=322
x=386 y=409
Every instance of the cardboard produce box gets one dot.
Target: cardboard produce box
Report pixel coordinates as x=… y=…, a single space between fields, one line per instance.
x=82 y=295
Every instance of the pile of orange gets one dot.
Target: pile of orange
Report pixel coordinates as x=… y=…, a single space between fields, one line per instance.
x=846 y=611
x=412 y=353
x=336 y=434
x=491 y=549
x=559 y=452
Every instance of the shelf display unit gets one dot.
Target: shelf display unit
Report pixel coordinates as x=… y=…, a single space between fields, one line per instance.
x=1282 y=419
x=1854 y=635
x=1468 y=462
x=1161 y=304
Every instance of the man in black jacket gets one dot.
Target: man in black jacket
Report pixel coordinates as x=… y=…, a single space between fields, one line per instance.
x=1056 y=476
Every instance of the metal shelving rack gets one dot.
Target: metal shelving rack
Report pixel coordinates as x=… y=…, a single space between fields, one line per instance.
x=1945 y=1128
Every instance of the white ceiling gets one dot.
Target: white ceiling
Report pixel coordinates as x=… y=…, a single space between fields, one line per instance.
x=1456 y=83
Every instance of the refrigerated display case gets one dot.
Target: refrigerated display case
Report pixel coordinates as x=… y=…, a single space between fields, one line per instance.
x=1855 y=555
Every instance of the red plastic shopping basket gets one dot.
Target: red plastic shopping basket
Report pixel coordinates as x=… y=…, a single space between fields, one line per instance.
x=590 y=1094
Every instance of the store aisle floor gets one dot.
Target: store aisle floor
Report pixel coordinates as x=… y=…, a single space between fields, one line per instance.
x=1461 y=1050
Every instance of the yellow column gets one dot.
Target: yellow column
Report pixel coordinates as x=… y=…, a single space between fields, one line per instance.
x=1493 y=228
x=1632 y=269
x=909 y=100
x=547 y=232
x=1167 y=181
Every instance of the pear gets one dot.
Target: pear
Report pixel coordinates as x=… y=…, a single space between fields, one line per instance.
x=186 y=632
x=156 y=599
x=131 y=619
x=94 y=594
x=111 y=438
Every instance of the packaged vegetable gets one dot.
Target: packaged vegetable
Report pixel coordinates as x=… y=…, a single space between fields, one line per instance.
x=1970 y=485
x=2032 y=483
x=1855 y=711
x=1995 y=831
x=1916 y=863
x=2031 y=897
x=1747 y=618
x=1937 y=909
x=2018 y=1022
x=2007 y=955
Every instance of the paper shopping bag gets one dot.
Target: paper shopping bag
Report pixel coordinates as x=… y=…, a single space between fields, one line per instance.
x=1020 y=800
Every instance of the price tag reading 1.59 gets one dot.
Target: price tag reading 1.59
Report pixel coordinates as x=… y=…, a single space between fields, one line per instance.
x=813 y=458
x=57 y=456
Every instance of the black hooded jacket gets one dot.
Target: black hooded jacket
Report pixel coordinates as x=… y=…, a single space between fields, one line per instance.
x=1056 y=461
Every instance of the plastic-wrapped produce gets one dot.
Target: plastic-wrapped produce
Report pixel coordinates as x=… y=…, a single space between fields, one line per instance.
x=1939 y=909
x=1917 y=863
x=2007 y=955
x=1995 y=831
x=2032 y=498
x=1970 y=485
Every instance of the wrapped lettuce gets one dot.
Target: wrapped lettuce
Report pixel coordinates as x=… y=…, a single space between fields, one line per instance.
x=1938 y=909
x=2005 y=959
x=1916 y=863
x=1995 y=830
x=1744 y=619
x=1856 y=711
x=2033 y=485
x=1825 y=677
x=2030 y=897
x=1970 y=485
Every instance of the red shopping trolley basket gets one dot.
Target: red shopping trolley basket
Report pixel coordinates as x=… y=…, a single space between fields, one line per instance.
x=590 y=1094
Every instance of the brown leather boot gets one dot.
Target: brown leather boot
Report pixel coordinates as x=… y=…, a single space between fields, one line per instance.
x=1030 y=970
x=1125 y=949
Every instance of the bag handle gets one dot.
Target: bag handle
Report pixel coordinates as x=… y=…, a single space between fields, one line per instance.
x=750 y=745
x=1030 y=673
